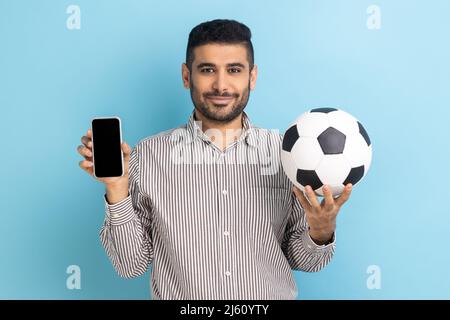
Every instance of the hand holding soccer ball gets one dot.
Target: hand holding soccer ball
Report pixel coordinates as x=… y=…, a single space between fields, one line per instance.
x=325 y=152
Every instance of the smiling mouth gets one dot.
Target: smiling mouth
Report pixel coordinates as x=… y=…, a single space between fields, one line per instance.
x=220 y=100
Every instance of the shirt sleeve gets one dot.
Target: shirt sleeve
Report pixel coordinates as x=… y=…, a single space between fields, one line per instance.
x=300 y=250
x=126 y=231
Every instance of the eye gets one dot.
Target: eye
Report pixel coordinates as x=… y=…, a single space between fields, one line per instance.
x=206 y=70
x=234 y=70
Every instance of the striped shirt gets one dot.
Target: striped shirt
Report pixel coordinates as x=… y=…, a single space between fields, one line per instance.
x=212 y=224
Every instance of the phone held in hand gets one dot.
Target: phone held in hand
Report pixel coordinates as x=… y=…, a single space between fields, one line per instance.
x=107 y=154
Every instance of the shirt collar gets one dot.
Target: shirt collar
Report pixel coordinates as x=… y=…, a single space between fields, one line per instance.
x=248 y=130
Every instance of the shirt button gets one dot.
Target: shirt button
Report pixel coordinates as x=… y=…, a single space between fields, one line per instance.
x=228 y=273
x=224 y=192
x=226 y=233
x=115 y=215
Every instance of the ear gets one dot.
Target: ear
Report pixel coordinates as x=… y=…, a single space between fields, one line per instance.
x=185 y=76
x=253 y=76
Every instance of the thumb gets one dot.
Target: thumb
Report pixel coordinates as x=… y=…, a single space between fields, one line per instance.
x=126 y=150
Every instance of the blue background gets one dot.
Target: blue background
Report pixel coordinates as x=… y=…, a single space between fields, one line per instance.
x=126 y=61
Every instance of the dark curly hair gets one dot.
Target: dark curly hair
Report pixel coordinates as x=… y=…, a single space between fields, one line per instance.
x=219 y=31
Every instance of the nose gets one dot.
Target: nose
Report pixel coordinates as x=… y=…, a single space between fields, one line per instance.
x=220 y=83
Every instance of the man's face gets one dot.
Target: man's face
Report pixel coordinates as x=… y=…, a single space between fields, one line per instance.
x=220 y=80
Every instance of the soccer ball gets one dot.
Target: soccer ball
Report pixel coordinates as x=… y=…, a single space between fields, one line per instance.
x=326 y=146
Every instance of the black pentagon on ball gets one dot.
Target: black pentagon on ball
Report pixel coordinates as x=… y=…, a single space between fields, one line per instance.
x=354 y=175
x=332 y=141
x=290 y=137
x=309 y=178
x=363 y=132
x=323 y=110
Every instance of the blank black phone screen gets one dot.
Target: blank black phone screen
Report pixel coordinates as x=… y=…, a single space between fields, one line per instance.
x=107 y=147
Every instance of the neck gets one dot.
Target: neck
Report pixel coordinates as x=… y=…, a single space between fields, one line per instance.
x=220 y=133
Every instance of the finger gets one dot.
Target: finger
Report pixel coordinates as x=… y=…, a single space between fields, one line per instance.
x=85 y=164
x=345 y=195
x=86 y=141
x=312 y=198
x=328 y=198
x=126 y=149
x=86 y=152
x=89 y=134
x=303 y=201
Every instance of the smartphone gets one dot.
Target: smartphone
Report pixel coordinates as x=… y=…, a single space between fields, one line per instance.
x=107 y=154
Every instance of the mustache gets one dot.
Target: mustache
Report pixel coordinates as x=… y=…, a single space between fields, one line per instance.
x=217 y=94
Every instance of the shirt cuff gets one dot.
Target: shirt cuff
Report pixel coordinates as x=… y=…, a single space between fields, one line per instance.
x=120 y=212
x=311 y=246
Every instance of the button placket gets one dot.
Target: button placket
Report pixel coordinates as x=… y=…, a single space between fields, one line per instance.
x=224 y=216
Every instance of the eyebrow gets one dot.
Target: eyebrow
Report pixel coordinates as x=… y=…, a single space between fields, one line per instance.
x=207 y=64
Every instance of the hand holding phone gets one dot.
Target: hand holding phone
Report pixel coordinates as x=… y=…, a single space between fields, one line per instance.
x=106 y=156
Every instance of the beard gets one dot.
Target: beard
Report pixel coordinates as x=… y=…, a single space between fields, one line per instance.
x=220 y=113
